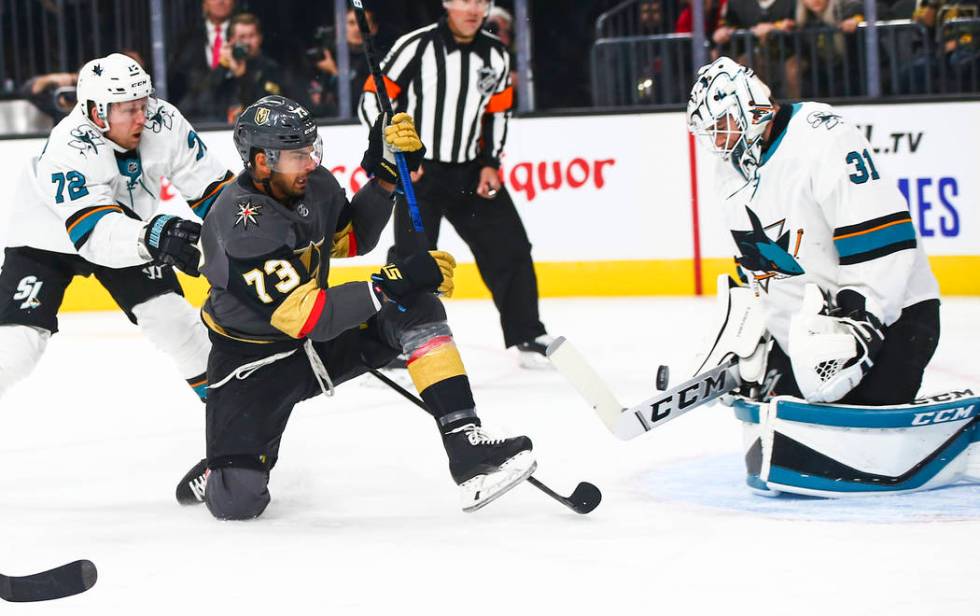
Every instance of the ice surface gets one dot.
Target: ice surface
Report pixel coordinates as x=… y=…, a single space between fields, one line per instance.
x=365 y=520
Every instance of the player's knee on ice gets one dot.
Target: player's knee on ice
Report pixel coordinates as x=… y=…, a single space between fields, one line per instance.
x=235 y=493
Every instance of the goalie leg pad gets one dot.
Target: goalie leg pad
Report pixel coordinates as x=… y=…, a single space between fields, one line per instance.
x=836 y=450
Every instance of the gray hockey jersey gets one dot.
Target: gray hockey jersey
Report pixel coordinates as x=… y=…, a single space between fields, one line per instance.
x=268 y=262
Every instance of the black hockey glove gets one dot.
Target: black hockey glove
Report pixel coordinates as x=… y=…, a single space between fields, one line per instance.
x=399 y=136
x=423 y=272
x=172 y=241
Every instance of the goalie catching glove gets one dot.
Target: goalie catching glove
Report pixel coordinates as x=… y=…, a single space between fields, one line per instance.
x=423 y=272
x=833 y=345
x=399 y=136
x=170 y=240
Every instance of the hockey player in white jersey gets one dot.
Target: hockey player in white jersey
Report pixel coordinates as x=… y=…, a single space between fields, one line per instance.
x=88 y=205
x=824 y=238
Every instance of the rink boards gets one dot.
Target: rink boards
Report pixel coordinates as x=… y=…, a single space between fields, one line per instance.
x=621 y=205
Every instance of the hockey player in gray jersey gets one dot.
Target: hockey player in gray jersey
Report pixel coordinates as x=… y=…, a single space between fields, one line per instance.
x=281 y=335
x=89 y=205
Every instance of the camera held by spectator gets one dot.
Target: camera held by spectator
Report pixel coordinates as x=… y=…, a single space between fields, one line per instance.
x=245 y=75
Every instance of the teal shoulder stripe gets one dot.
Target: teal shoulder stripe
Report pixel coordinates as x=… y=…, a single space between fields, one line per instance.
x=875 y=240
x=80 y=232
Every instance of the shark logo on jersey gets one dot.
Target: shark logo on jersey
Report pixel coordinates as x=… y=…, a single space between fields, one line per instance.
x=486 y=80
x=768 y=259
x=86 y=139
x=248 y=212
x=160 y=119
x=823 y=118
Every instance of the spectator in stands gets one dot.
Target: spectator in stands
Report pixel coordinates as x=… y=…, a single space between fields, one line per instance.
x=321 y=89
x=814 y=21
x=712 y=17
x=651 y=17
x=957 y=44
x=199 y=51
x=53 y=94
x=765 y=19
x=246 y=75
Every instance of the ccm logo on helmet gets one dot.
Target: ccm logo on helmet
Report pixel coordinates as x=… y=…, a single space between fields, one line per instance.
x=934 y=417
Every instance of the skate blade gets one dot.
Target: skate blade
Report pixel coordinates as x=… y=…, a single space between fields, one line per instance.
x=534 y=361
x=482 y=490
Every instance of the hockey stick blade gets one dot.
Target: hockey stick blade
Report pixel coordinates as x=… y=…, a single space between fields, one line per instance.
x=673 y=403
x=583 y=499
x=57 y=583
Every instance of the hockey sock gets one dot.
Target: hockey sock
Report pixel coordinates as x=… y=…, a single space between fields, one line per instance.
x=199 y=384
x=440 y=378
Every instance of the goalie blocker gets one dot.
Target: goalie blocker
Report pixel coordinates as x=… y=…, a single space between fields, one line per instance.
x=837 y=450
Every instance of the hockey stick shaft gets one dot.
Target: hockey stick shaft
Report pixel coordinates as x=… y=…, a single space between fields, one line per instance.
x=584 y=498
x=57 y=583
x=627 y=423
x=384 y=101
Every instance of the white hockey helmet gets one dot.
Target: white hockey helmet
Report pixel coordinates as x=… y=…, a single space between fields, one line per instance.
x=115 y=78
x=726 y=89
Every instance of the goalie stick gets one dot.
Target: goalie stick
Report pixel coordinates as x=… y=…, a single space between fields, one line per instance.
x=63 y=581
x=627 y=423
x=583 y=499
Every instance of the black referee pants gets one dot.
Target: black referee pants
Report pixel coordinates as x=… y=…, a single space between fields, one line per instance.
x=494 y=232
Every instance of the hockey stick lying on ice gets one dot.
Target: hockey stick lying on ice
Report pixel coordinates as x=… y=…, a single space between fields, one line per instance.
x=583 y=499
x=63 y=581
x=627 y=423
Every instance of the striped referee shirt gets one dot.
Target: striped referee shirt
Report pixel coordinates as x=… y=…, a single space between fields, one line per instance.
x=459 y=95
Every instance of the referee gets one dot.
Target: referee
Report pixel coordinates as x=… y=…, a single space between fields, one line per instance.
x=454 y=79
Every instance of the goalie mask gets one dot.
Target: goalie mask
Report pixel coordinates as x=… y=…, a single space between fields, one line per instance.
x=283 y=129
x=115 y=78
x=728 y=111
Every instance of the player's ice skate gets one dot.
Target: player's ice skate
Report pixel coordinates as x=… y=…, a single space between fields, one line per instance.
x=533 y=353
x=486 y=467
x=190 y=490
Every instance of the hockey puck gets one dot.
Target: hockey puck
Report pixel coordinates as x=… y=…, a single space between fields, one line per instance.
x=663 y=377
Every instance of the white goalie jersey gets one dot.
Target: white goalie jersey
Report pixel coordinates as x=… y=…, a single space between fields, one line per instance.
x=82 y=194
x=821 y=211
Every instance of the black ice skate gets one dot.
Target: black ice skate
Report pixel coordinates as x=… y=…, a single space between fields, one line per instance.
x=533 y=353
x=190 y=490
x=486 y=467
